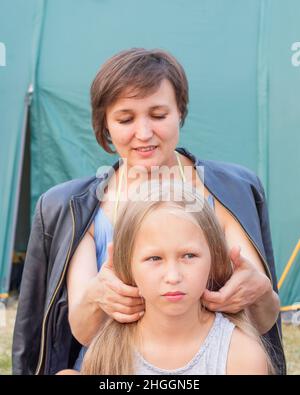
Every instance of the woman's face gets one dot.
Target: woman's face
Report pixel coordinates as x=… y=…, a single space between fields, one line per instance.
x=136 y=124
x=170 y=255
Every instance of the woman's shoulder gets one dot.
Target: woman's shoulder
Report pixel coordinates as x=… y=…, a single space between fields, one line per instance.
x=246 y=355
x=233 y=174
x=231 y=169
x=55 y=201
x=223 y=168
x=57 y=197
x=68 y=188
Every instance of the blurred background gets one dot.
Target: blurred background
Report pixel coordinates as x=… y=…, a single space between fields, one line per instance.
x=242 y=60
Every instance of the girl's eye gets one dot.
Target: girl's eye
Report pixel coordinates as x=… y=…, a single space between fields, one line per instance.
x=190 y=255
x=153 y=258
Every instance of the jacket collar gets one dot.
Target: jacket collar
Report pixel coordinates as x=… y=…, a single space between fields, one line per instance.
x=225 y=187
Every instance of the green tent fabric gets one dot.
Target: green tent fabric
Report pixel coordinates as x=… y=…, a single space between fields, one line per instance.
x=288 y=282
x=243 y=96
x=17 y=35
x=283 y=136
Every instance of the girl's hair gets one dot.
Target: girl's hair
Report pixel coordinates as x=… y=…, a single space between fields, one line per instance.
x=111 y=351
x=141 y=71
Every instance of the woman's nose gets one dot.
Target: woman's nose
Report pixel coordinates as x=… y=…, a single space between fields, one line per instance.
x=143 y=130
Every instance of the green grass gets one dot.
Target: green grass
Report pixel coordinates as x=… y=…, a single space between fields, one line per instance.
x=291 y=341
x=6 y=337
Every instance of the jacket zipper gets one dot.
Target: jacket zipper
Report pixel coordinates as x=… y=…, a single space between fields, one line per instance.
x=41 y=356
x=263 y=260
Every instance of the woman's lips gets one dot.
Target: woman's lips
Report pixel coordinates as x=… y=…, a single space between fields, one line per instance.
x=146 y=154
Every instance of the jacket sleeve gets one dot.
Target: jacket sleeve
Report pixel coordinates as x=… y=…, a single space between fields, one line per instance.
x=28 y=325
x=266 y=234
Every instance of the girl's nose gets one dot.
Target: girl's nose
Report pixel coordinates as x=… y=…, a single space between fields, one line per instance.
x=173 y=274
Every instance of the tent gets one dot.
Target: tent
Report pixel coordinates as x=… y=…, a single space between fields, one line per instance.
x=242 y=61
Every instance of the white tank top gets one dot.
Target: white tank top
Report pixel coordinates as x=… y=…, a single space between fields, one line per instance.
x=211 y=358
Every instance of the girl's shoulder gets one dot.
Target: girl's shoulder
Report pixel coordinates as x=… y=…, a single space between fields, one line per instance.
x=246 y=355
x=67 y=372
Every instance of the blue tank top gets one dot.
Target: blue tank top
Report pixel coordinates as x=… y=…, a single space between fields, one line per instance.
x=103 y=234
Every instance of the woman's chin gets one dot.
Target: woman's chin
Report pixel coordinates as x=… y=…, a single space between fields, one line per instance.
x=146 y=159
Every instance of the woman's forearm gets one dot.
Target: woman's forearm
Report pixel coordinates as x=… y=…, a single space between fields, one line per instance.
x=85 y=320
x=264 y=312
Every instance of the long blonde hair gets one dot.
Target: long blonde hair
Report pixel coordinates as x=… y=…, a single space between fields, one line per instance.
x=111 y=351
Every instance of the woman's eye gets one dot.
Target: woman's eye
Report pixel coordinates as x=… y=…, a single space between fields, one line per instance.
x=125 y=121
x=159 y=116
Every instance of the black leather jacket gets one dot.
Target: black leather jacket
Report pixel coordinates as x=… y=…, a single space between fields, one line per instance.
x=42 y=342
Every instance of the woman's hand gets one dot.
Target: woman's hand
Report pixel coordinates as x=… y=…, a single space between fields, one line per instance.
x=120 y=301
x=246 y=287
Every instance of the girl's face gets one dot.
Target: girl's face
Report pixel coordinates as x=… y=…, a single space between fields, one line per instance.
x=170 y=255
x=152 y=121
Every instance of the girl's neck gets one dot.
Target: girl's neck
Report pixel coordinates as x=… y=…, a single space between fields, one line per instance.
x=173 y=331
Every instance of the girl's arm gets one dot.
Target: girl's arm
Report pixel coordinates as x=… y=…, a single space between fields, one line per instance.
x=93 y=296
x=68 y=372
x=246 y=356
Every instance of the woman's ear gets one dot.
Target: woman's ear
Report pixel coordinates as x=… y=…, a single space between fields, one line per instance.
x=180 y=117
x=106 y=127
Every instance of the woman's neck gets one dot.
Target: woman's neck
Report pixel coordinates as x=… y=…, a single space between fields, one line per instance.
x=126 y=181
x=138 y=174
x=177 y=167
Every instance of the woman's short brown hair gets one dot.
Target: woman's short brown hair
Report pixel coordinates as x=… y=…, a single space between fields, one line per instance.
x=142 y=71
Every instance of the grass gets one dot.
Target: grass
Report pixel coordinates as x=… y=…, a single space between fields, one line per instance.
x=291 y=341
x=6 y=335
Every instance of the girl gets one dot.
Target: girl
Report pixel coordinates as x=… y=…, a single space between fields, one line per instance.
x=172 y=253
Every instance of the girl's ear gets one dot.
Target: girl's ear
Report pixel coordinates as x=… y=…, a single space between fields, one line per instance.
x=211 y=284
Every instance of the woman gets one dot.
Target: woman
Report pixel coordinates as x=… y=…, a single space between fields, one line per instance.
x=139 y=101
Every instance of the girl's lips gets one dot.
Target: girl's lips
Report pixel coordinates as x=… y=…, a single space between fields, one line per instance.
x=174 y=297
